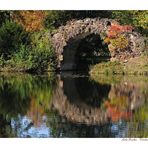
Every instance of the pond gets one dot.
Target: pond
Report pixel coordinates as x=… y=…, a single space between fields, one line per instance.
x=73 y=105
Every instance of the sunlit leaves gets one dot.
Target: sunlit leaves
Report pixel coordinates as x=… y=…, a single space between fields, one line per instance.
x=137 y=18
x=116 y=36
x=30 y=20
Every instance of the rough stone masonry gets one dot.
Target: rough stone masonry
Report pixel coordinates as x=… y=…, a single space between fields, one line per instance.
x=67 y=38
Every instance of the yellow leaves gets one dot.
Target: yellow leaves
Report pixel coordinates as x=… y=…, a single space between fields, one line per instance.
x=30 y=20
x=116 y=37
x=107 y=40
x=121 y=42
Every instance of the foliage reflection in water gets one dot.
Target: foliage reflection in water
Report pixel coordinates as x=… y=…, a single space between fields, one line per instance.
x=72 y=105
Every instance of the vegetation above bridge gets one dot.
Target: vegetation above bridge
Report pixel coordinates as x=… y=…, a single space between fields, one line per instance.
x=34 y=41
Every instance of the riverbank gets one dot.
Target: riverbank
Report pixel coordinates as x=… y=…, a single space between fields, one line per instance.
x=135 y=66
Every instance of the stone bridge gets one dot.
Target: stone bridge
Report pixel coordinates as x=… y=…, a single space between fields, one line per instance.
x=67 y=38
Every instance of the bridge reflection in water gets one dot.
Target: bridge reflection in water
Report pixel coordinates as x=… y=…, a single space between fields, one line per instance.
x=74 y=106
x=79 y=100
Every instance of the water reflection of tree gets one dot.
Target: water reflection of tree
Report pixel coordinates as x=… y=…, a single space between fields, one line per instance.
x=128 y=101
x=5 y=127
x=16 y=95
x=138 y=126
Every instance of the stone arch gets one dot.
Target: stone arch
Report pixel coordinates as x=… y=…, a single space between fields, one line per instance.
x=75 y=30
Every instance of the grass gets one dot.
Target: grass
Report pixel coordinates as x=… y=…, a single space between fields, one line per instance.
x=107 y=68
x=135 y=66
x=138 y=65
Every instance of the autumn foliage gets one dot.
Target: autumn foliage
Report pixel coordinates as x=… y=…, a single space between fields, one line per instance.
x=116 y=36
x=30 y=20
x=116 y=29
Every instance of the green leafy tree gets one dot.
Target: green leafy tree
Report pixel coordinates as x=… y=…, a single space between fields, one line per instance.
x=55 y=19
x=12 y=36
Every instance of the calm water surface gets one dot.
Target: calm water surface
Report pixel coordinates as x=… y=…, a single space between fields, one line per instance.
x=73 y=105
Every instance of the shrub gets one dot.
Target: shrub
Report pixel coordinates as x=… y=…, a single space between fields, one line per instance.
x=116 y=36
x=42 y=59
x=43 y=54
x=121 y=42
x=4 y=15
x=116 y=29
x=2 y=61
x=12 y=36
x=38 y=57
x=22 y=51
x=21 y=60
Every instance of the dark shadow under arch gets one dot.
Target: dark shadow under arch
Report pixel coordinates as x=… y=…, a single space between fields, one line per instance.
x=83 y=51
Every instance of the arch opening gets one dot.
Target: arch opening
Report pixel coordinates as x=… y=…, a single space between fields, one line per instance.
x=83 y=51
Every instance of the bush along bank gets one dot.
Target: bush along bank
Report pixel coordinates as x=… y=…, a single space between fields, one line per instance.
x=24 y=51
x=25 y=46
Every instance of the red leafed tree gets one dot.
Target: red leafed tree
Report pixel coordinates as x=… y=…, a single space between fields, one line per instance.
x=115 y=36
x=116 y=29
